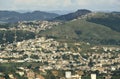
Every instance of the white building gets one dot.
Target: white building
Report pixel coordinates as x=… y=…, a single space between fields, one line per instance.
x=93 y=76
x=68 y=74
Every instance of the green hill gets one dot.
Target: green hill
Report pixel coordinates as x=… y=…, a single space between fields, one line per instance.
x=111 y=20
x=82 y=30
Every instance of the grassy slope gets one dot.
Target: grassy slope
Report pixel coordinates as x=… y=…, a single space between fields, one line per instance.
x=81 y=30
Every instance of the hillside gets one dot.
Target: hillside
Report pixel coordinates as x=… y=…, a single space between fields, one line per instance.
x=73 y=15
x=12 y=16
x=111 y=20
x=81 y=30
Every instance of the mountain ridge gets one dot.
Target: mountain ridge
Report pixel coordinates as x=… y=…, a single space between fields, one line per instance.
x=13 y=16
x=73 y=15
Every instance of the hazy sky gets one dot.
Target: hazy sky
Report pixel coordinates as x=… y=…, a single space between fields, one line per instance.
x=49 y=5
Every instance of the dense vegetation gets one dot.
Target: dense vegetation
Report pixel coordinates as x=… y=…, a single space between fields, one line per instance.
x=9 y=36
x=7 y=25
x=110 y=20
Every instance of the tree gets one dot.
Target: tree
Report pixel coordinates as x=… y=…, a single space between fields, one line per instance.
x=34 y=56
x=90 y=64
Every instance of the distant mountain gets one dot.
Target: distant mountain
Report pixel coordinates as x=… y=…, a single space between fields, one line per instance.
x=73 y=15
x=12 y=16
x=115 y=12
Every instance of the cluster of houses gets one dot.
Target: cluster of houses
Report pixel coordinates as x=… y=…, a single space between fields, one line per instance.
x=35 y=26
x=56 y=55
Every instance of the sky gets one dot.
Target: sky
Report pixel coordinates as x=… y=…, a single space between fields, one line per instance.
x=51 y=5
